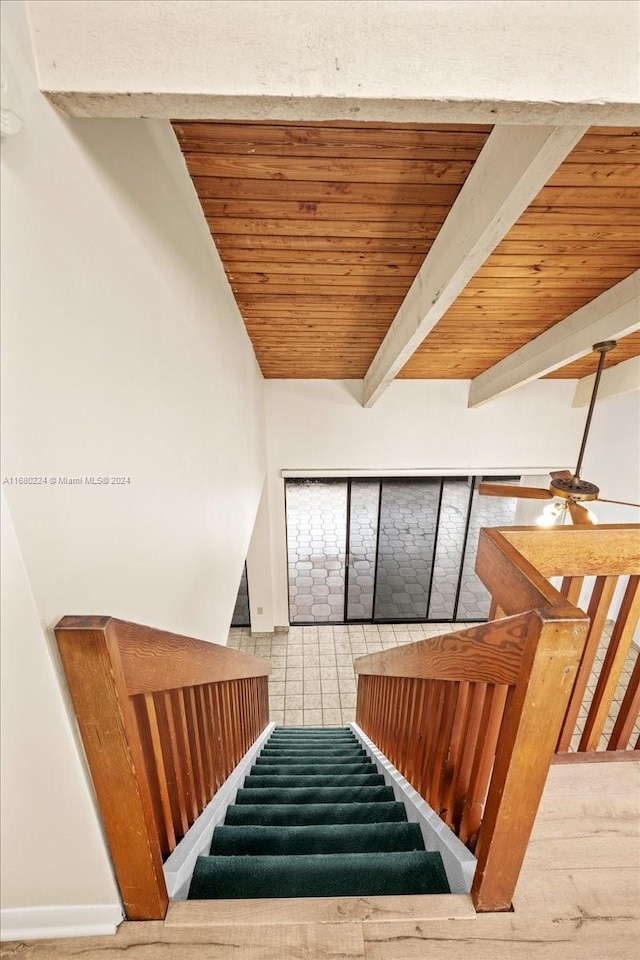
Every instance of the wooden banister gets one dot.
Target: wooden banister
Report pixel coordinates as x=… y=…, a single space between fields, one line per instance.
x=524 y=751
x=603 y=550
x=615 y=657
x=594 y=563
x=489 y=652
x=472 y=718
x=514 y=583
x=163 y=719
x=484 y=707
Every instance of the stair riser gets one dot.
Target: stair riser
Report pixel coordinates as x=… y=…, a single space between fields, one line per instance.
x=315 y=769
x=321 y=730
x=349 y=838
x=337 y=875
x=305 y=751
x=288 y=760
x=316 y=795
x=267 y=783
x=314 y=735
x=328 y=741
x=292 y=814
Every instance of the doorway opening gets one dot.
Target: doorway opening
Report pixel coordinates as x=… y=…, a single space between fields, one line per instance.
x=388 y=549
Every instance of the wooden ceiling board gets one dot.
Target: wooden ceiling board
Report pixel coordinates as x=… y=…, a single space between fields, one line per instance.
x=579 y=237
x=322 y=228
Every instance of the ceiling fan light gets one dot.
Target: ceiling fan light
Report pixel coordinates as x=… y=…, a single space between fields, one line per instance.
x=551 y=514
x=543 y=521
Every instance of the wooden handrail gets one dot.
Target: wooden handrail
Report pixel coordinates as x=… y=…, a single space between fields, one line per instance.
x=515 y=585
x=480 y=711
x=163 y=719
x=605 y=550
x=610 y=553
x=524 y=752
x=489 y=653
x=472 y=718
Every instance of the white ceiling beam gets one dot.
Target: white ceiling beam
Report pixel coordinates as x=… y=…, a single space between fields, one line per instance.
x=513 y=166
x=612 y=315
x=614 y=381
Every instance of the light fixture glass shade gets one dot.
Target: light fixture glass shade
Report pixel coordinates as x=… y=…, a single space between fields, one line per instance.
x=552 y=514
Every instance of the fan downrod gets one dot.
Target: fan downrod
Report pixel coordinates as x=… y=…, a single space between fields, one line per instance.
x=574 y=488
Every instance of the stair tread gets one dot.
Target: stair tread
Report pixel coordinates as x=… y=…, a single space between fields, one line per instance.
x=305 y=749
x=305 y=758
x=312 y=751
x=313 y=741
x=292 y=814
x=327 y=729
x=311 y=769
x=256 y=840
x=318 y=875
x=355 y=794
x=314 y=732
x=331 y=780
x=313 y=736
x=314 y=818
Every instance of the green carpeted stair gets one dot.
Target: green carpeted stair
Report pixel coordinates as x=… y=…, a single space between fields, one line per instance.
x=315 y=819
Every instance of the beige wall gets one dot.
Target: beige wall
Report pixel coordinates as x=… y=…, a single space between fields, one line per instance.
x=123 y=355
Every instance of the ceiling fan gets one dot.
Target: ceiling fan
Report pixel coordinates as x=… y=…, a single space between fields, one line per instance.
x=569 y=487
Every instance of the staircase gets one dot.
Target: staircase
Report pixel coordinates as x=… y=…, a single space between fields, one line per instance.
x=315 y=819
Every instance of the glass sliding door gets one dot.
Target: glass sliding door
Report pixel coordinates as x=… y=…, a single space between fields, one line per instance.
x=407 y=531
x=316 y=540
x=364 y=502
x=473 y=599
x=450 y=547
x=390 y=549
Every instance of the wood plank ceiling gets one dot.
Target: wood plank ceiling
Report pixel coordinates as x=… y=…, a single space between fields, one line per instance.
x=322 y=227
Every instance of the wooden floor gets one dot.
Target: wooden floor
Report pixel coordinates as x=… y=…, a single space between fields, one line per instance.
x=578 y=899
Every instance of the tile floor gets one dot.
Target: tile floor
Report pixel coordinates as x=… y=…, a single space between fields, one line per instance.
x=313 y=682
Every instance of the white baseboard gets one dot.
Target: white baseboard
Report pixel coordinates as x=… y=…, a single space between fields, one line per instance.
x=40 y=923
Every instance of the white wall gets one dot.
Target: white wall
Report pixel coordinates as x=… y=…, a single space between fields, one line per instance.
x=538 y=61
x=52 y=847
x=612 y=461
x=416 y=425
x=612 y=458
x=123 y=355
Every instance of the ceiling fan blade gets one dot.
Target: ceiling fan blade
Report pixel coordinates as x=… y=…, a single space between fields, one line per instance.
x=513 y=490
x=561 y=475
x=622 y=503
x=579 y=514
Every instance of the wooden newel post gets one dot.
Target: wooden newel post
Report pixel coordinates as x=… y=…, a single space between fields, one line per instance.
x=111 y=739
x=535 y=710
